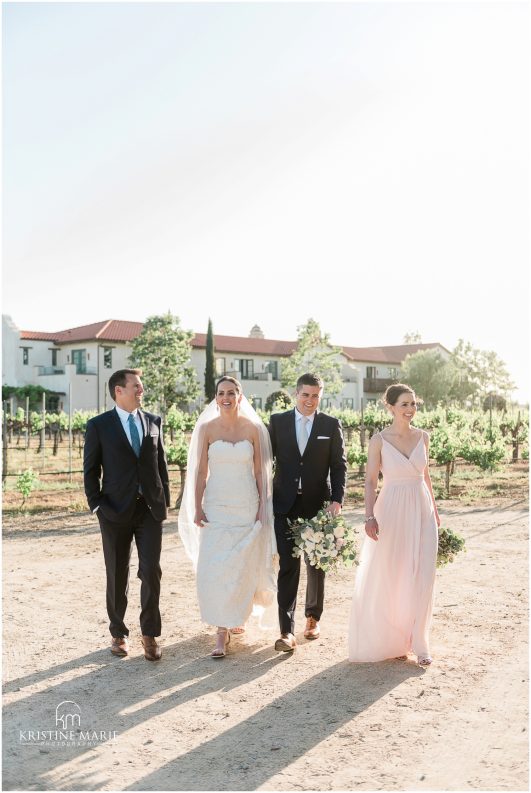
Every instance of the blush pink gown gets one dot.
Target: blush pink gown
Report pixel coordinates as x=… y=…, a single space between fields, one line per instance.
x=393 y=594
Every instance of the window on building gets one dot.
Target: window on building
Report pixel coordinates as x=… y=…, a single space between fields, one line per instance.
x=371 y=372
x=271 y=368
x=256 y=402
x=52 y=403
x=245 y=366
x=54 y=357
x=220 y=367
x=347 y=403
x=107 y=357
x=25 y=355
x=393 y=372
x=326 y=402
x=79 y=359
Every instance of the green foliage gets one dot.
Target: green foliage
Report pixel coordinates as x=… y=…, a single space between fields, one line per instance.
x=445 y=445
x=479 y=372
x=278 y=401
x=177 y=453
x=356 y=455
x=176 y=420
x=429 y=375
x=494 y=402
x=487 y=454
x=163 y=351
x=34 y=392
x=315 y=354
x=375 y=418
x=450 y=544
x=80 y=419
x=26 y=482
x=210 y=367
x=349 y=419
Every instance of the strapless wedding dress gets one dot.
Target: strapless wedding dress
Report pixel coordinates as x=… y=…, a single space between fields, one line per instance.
x=234 y=565
x=393 y=594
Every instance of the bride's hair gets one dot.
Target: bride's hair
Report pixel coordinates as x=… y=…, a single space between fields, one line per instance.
x=232 y=380
x=393 y=392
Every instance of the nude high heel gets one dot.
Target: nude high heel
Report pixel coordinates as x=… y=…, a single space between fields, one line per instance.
x=221 y=653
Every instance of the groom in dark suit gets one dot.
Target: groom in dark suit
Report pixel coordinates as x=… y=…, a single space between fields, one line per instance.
x=310 y=468
x=131 y=500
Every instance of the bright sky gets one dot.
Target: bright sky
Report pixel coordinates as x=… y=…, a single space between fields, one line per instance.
x=364 y=164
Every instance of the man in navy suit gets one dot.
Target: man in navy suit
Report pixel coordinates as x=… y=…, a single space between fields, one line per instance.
x=310 y=469
x=130 y=501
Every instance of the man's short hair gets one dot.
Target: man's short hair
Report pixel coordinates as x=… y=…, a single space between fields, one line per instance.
x=120 y=378
x=310 y=379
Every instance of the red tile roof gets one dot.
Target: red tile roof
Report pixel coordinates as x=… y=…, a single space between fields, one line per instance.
x=108 y=330
x=124 y=331
x=246 y=345
x=389 y=354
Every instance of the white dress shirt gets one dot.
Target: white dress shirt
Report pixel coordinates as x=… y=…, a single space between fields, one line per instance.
x=124 y=418
x=299 y=429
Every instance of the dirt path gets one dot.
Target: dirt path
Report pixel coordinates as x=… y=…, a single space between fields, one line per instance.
x=259 y=719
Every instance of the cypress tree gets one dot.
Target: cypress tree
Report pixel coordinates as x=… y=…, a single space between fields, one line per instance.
x=210 y=368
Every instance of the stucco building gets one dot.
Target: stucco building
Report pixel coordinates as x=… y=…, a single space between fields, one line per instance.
x=79 y=361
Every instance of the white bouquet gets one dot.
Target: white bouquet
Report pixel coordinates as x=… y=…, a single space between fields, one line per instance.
x=328 y=541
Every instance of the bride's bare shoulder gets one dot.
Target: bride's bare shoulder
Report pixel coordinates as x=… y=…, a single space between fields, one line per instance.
x=209 y=428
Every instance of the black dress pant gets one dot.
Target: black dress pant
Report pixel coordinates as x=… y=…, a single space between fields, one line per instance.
x=289 y=574
x=117 y=539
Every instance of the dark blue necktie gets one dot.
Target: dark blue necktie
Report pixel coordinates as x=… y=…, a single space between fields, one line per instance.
x=135 y=437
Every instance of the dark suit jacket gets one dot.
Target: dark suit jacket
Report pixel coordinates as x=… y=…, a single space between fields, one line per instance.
x=107 y=448
x=322 y=468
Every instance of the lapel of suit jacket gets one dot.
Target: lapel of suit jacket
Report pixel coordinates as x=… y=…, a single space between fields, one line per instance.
x=291 y=433
x=145 y=425
x=316 y=424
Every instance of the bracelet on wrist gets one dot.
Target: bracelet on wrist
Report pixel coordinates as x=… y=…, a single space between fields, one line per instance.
x=370 y=517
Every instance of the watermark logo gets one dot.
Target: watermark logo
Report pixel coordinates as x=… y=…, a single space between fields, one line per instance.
x=68 y=730
x=68 y=715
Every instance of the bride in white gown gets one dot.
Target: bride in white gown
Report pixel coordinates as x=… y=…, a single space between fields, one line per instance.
x=226 y=517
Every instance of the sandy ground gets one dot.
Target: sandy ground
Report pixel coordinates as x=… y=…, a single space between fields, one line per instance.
x=260 y=720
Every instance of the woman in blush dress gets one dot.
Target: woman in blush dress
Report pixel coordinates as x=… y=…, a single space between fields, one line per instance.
x=226 y=517
x=393 y=594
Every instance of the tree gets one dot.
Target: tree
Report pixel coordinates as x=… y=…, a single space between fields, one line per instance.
x=163 y=351
x=430 y=376
x=315 y=354
x=478 y=373
x=210 y=368
x=34 y=392
x=412 y=338
x=278 y=400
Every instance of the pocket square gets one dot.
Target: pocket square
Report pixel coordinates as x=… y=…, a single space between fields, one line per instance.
x=323 y=437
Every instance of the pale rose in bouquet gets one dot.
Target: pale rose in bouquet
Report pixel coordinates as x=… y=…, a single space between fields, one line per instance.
x=328 y=541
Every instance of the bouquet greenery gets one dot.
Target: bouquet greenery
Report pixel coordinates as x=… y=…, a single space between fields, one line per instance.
x=328 y=541
x=450 y=544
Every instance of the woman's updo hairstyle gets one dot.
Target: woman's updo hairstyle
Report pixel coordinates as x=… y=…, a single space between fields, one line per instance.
x=393 y=392
x=227 y=379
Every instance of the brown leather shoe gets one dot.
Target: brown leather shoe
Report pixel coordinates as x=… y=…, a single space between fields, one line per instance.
x=312 y=629
x=152 y=650
x=286 y=643
x=120 y=646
